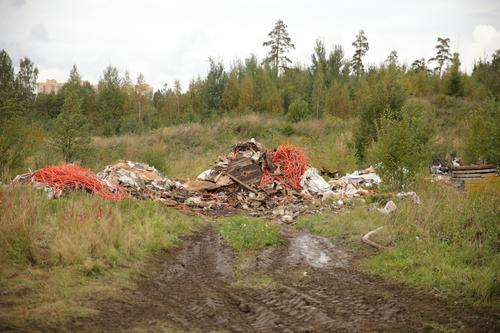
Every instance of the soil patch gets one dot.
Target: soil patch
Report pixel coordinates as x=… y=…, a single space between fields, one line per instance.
x=318 y=289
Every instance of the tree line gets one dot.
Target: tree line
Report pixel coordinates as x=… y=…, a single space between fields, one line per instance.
x=332 y=84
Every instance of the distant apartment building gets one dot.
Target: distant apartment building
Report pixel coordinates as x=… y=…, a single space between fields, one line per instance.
x=48 y=87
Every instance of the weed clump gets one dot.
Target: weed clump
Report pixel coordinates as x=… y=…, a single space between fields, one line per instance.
x=247 y=233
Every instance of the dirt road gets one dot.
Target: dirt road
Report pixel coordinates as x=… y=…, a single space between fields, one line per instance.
x=316 y=288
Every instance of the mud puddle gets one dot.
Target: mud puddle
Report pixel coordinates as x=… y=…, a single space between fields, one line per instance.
x=317 y=289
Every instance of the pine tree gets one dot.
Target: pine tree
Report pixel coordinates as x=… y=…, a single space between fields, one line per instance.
x=419 y=65
x=110 y=101
x=8 y=101
x=74 y=76
x=442 y=55
x=26 y=78
x=453 y=78
x=392 y=59
x=280 y=44
x=335 y=65
x=361 y=46
x=215 y=85
x=318 y=58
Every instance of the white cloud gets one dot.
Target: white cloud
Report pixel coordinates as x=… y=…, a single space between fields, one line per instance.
x=486 y=40
x=18 y=3
x=39 y=32
x=168 y=40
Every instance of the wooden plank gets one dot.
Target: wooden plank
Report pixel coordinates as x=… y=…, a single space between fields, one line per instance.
x=473 y=167
x=474 y=171
x=466 y=176
x=242 y=183
x=366 y=239
x=473 y=175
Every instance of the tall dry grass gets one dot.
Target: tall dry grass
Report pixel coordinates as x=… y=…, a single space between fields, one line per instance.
x=59 y=253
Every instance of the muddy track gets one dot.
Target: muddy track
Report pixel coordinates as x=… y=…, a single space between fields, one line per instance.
x=317 y=289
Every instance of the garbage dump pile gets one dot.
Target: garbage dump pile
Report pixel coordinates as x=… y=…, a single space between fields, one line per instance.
x=55 y=179
x=277 y=183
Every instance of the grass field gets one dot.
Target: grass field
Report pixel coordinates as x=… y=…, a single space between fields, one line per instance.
x=59 y=254
x=56 y=254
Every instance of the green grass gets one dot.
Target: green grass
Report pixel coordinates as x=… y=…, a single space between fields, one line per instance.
x=187 y=149
x=347 y=226
x=56 y=253
x=248 y=236
x=60 y=254
x=449 y=244
x=249 y=233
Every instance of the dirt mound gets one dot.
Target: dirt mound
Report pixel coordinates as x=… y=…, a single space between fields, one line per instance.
x=316 y=290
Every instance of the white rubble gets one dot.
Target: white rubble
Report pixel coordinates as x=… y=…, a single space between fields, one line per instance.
x=312 y=182
x=389 y=207
x=414 y=196
x=207 y=175
x=366 y=177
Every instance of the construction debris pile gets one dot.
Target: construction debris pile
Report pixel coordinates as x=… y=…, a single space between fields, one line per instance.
x=140 y=181
x=277 y=183
x=55 y=179
x=254 y=179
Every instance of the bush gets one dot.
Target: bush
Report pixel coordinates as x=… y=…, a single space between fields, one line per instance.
x=18 y=141
x=388 y=91
x=297 y=111
x=403 y=146
x=482 y=142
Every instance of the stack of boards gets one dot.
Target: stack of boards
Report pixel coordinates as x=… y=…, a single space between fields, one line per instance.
x=465 y=173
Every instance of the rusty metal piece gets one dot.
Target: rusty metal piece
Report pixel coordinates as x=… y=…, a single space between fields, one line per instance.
x=245 y=170
x=242 y=183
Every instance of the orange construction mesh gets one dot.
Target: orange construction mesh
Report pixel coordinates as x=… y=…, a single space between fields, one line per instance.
x=292 y=161
x=72 y=176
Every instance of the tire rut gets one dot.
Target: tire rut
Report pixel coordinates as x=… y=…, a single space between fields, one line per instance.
x=191 y=289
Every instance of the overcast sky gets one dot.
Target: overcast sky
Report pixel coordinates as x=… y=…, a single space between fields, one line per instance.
x=169 y=40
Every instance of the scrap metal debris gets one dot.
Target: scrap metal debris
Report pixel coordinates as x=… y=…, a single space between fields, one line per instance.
x=139 y=180
x=278 y=183
x=56 y=179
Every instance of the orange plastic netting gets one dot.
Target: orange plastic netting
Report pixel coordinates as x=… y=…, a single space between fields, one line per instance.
x=292 y=161
x=72 y=176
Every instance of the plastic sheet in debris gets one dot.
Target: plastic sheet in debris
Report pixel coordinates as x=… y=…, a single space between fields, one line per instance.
x=136 y=178
x=366 y=177
x=207 y=175
x=312 y=182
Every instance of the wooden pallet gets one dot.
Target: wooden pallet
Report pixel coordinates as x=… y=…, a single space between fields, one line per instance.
x=465 y=173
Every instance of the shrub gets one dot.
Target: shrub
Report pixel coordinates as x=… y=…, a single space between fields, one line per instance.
x=17 y=142
x=297 y=111
x=388 y=93
x=71 y=134
x=403 y=146
x=482 y=142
